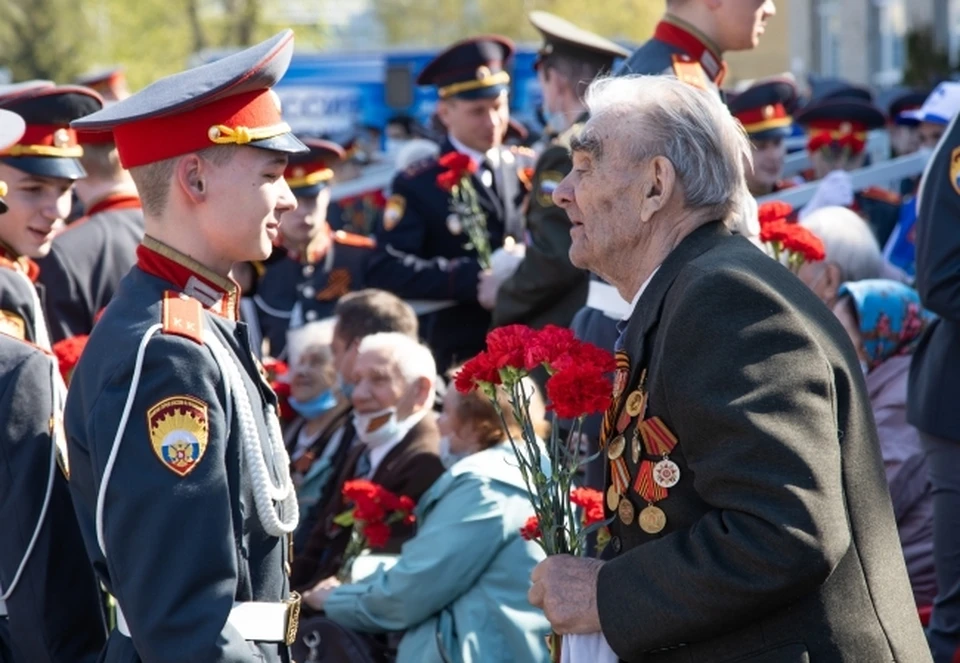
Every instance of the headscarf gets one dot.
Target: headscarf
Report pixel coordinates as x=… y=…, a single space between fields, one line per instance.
x=890 y=315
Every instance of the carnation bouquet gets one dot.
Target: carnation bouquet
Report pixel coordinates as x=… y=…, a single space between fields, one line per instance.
x=464 y=202
x=579 y=385
x=373 y=512
x=789 y=242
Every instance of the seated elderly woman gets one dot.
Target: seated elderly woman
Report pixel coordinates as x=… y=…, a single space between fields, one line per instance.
x=314 y=437
x=459 y=588
x=885 y=320
x=852 y=252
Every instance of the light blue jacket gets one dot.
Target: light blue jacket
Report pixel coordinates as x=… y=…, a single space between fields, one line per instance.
x=461 y=583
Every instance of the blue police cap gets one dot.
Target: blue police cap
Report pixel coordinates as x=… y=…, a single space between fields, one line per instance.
x=475 y=68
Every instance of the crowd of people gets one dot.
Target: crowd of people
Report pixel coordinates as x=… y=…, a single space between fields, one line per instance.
x=202 y=354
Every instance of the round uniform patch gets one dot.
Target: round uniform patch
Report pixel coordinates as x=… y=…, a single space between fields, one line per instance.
x=955 y=169
x=546 y=185
x=178 y=432
x=393 y=211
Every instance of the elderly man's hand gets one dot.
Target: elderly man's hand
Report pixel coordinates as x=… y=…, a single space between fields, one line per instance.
x=565 y=588
x=487 y=289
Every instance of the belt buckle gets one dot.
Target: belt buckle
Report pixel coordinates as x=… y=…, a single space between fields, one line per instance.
x=293 y=617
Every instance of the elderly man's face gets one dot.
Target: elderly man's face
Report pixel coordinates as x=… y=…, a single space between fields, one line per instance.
x=601 y=196
x=379 y=385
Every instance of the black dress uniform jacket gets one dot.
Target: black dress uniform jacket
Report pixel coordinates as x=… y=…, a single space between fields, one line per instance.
x=20 y=309
x=55 y=610
x=934 y=388
x=309 y=287
x=780 y=544
x=422 y=255
x=180 y=550
x=86 y=263
x=546 y=288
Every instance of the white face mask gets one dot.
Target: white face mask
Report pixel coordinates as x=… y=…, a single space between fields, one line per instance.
x=386 y=428
x=448 y=457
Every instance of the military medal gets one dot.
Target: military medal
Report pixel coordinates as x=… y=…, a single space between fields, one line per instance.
x=620 y=381
x=623 y=421
x=635 y=446
x=636 y=402
x=616 y=447
x=613 y=498
x=652 y=519
x=626 y=511
x=666 y=474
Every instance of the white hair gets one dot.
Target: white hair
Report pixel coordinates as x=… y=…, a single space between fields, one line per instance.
x=848 y=242
x=414 y=359
x=318 y=333
x=688 y=126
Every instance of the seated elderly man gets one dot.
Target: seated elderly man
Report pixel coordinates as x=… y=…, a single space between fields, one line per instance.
x=393 y=394
x=750 y=515
x=852 y=252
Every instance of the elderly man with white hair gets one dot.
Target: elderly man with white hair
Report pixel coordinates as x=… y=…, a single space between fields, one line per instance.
x=750 y=515
x=398 y=444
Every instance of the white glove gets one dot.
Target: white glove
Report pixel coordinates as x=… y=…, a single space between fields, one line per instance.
x=836 y=190
x=505 y=260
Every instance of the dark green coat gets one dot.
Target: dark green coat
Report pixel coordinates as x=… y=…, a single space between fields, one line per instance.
x=780 y=544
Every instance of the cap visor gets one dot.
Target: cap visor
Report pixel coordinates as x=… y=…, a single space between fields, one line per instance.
x=770 y=134
x=65 y=168
x=481 y=93
x=287 y=143
x=3 y=206
x=309 y=191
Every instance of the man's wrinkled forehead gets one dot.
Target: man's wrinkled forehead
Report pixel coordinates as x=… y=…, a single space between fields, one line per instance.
x=589 y=143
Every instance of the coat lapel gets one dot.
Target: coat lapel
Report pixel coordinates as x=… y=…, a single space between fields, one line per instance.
x=647 y=313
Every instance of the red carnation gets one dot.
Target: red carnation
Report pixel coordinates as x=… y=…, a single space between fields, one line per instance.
x=359 y=490
x=68 y=353
x=578 y=390
x=508 y=345
x=586 y=356
x=377 y=534
x=407 y=503
x=531 y=529
x=481 y=368
x=448 y=179
x=776 y=231
x=773 y=211
x=805 y=243
x=274 y=368
x=458 y=162
x=548 y=345
x=591 y=501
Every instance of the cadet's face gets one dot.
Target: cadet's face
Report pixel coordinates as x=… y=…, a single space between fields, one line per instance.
x=480 y=124
x=300 y=225
x=601 y=195
x=904 y=139
x=740 y=23
x=930 y=133
x=38 y=208
x=768 y=156
x=247 y=197
x=378 y=385
x=548 y=88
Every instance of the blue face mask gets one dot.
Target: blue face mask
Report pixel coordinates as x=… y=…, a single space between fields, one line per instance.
x=315 y=406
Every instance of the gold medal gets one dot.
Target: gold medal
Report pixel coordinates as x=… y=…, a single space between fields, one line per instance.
x=626 y=511
x=652 y=519
x=635 y=447
x=636 y=402
x=616 y=447
x=613 y=498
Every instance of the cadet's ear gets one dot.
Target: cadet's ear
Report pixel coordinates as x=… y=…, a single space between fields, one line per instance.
x=189 y=176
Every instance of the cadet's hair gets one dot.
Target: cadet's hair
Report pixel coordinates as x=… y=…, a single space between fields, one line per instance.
x=848 y=242
x=101 y=161
x=688 y=126
x=371 y=311
x=579 y=72
x=153 y=180
x=414 y=359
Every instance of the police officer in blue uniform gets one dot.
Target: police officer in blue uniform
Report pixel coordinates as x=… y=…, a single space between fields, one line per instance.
x=423 y=252
x=39 y=171
x=41 y=551
x=317 y=265
x=178 y=470
x=765 y=110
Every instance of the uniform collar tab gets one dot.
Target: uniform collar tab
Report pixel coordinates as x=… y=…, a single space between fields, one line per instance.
x=679 y=33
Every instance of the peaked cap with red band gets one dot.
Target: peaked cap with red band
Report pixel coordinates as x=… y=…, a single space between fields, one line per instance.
x=12 y=127
x=765 y=108
x=227 y=102
x=842 y=122
x=308 y=173
x=49 y=146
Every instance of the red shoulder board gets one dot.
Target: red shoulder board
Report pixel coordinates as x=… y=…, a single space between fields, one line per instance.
x=689 y=72
x=182 y=316
x=881 y=194
x=352 y=239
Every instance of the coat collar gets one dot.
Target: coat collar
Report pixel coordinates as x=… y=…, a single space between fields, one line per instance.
x=682 y=35
x=18 y=263
x=647 y=312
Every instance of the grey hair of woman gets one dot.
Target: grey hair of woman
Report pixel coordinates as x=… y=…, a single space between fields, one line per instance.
x=691 y=128
x=848 y=243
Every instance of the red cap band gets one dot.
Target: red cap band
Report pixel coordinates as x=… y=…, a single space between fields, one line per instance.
x=771 y=116
x=49 y=140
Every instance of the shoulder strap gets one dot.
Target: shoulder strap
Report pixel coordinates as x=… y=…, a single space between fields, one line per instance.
x=182 y=316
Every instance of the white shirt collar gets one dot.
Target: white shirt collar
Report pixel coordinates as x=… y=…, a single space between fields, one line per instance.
x=492 y=156
x=636 y=297
x=377 y=454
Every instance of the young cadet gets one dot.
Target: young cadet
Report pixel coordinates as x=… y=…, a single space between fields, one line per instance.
x=39 y=172
x=179 y=473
